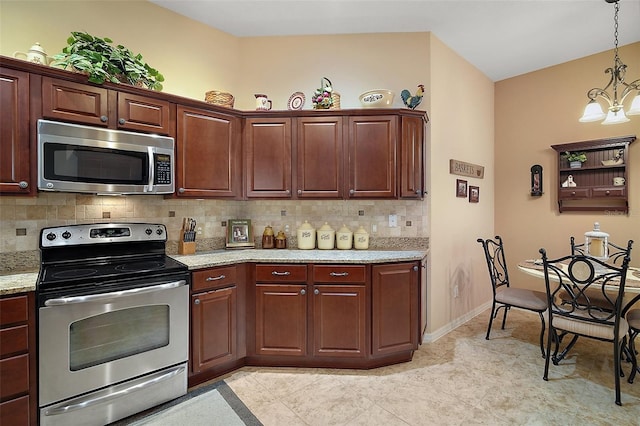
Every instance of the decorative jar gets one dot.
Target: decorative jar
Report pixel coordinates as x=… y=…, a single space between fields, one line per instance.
x=326 y=237
x=344 y=238
x=361 y=239
x=306 y=236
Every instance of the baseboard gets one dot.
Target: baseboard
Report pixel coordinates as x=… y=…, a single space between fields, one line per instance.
x=442 y=331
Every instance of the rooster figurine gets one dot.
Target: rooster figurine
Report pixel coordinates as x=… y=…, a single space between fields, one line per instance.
x=412 y=101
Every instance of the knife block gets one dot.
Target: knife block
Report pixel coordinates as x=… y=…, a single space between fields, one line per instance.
x=186 y=247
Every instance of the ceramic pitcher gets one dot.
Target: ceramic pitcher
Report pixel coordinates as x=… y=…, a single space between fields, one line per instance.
x=262 y=102
x=36 y=54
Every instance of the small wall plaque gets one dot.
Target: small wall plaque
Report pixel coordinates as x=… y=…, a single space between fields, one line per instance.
x=466 y=169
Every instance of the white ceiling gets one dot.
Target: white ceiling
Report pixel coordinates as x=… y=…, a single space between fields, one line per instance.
x=502 y=38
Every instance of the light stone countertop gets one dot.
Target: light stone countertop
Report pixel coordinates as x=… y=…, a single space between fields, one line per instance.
x=24 y=282
x=228 y=257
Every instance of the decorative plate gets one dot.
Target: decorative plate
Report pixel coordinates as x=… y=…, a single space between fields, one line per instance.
x=296 y=101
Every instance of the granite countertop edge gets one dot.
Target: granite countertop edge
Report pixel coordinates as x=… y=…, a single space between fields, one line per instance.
x=26 y=281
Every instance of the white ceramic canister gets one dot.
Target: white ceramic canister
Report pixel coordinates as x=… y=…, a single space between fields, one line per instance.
x=344 y=238
x=361 y=239
x=306 y=236
x=326 y=237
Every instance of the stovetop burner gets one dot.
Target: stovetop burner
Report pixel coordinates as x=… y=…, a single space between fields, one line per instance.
x=73 y=273
x=141 y=266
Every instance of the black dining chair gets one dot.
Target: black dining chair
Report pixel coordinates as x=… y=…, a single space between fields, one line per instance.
x=577 y=275
x=633 y=318
x=504 y=296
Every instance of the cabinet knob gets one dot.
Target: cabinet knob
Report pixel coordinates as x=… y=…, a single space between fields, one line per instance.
x=197 y=301
x=288 y=191
x=415 y=268
x=299 y=191
x=121 y=121
x=418 y=191
x=607 y=192
x=103 y=118
x=316 y=291
x=573 y=192
x=23 y=184
x=181 y=190
x=303 y=292
x=351 y=192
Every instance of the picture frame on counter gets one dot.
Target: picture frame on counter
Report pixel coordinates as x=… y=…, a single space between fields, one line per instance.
x=474 y=194
x=240 y=233
x=461 y=188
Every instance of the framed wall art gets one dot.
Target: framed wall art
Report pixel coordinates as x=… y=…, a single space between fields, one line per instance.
x=474 y=194
x=239 y=233
x=461 y=188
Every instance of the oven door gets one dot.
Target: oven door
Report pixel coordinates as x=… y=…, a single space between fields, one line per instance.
x=90 y=342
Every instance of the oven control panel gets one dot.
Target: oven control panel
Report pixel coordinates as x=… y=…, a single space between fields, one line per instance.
x=98 y=233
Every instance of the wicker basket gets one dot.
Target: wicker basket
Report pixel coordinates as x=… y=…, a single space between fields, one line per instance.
x=219 y=98
x=335 y=97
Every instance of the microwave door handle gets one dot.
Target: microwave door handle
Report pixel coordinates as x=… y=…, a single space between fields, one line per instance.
x=151 y=150
x=112 y=295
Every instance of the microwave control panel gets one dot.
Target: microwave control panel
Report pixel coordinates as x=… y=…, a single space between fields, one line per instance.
x=162 y=169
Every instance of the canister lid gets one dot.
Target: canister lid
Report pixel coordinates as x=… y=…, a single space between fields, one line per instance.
x=325 y=227
x=344 y=230
x=306 y=226
x=596 y=233
x=361 y=230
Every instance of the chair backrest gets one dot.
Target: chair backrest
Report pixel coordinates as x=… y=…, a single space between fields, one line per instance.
x=496 y=262
x=576 y=276
x=616 y=253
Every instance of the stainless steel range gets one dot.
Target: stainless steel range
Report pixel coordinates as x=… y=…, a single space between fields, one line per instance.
x=112 y=322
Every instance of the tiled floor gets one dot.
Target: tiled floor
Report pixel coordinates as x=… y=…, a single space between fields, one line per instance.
x=461 y=379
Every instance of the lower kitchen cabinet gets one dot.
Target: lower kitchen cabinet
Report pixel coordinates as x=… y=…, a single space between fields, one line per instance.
x=216 y=322
x=395 y=307
x=18 y=385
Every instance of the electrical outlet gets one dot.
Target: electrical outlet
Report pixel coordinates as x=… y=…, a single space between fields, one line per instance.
x=393 y=220
x=374 y=228
x=455 y=291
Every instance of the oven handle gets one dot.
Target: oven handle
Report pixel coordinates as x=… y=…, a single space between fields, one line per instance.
x=112 y=295
x=88 y=401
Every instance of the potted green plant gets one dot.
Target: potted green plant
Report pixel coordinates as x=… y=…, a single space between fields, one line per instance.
x=102 y=61
x=575 y=159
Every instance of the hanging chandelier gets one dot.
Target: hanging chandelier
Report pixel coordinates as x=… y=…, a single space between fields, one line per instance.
x=615 y=114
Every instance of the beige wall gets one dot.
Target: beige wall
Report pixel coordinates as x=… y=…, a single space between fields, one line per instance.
x=461 y=128
x=533 y=112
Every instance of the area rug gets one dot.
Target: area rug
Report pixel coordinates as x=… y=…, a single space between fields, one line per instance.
x=212 y=405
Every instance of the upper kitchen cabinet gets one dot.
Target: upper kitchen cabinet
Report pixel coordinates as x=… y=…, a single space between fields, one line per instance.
x=372 y=156
x=97 y=106
x=601 y=183
x=208 y=154
x=412 y=161
x=16 y=174
x=320 y=157
x=267 y=143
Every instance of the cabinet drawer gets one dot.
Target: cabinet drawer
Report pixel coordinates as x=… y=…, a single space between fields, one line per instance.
x=14 y=376
x=574 y=193
x=14 y=340
x=15 y=412
x=213 y=278
x=13 y=310
x=339 y=273
x=609 y=191
x=281 y=273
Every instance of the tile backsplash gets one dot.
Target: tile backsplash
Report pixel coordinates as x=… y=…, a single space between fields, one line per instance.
x=21 y=219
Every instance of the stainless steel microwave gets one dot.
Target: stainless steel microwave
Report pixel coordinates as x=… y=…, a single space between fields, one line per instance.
x=76 y=158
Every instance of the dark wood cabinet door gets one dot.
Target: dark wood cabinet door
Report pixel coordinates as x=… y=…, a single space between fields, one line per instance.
x=80 y=103
x=372 y=156
x=320 y=157
x=208 y=162
x=339 y=320
x=15 y=153
x=281 y=319
x=145 y=114
x=213 y=328
x=412 y=158
x=395 y=305
x=268 y=157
